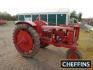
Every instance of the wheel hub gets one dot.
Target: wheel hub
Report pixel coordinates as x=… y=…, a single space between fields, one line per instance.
x=72 y=56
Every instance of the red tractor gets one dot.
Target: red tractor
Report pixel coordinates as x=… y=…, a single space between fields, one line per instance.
x=28 y=37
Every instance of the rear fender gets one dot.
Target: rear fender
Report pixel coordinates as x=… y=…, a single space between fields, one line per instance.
x=26 y=22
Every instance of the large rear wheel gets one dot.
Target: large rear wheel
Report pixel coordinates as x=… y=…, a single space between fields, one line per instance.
x=26 y=40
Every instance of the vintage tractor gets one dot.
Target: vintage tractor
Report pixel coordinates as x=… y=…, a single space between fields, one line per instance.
x=29 y=37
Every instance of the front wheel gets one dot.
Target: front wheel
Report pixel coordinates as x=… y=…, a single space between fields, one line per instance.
x=73 y=54
x=26 y=40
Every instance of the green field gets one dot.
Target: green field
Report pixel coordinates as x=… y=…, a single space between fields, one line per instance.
x=86 y=44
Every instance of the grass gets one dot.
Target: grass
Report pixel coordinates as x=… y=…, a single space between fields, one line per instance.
x=86 y=44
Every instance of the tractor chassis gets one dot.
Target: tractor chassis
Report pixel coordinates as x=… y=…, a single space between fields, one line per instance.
x=59 y=36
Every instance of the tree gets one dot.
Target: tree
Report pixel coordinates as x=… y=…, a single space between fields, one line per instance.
x=75 y=16
x=79 y=17
x=6 y=16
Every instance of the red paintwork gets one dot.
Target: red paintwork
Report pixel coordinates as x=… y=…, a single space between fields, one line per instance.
x=24 y=41
x=60 y=36
x=72 y=56
x=68 y=34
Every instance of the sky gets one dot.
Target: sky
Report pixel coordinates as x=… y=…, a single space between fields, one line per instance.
x=28 y=6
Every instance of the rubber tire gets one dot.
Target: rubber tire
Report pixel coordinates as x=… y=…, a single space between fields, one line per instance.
x=35 y=36
x=76 y=52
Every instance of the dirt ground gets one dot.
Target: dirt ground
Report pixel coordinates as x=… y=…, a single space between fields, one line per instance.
x=46 y=59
